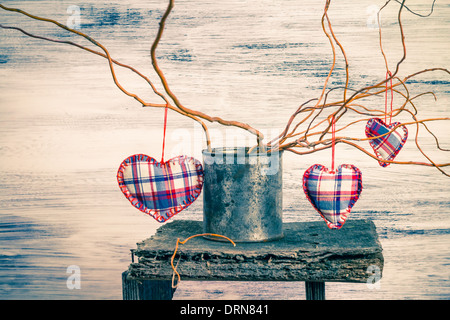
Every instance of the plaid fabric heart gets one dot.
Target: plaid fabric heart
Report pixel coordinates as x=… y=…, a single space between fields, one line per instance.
x=333 y=194
x=386 y=147
x=160 y=190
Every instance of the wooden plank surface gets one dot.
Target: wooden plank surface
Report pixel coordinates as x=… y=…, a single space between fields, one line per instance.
x=309 y=251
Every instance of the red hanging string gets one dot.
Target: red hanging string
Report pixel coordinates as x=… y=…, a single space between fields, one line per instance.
x=388 y=74
x=164 y=136
x=333 y=141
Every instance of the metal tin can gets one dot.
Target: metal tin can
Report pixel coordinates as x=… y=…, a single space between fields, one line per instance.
x=242 y=194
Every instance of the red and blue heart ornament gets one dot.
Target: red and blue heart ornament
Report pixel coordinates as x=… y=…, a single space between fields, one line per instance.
x=333 y=193
x=388 y=145
x=160 y=189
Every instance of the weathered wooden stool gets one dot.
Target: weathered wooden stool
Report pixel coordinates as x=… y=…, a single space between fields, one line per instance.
x=308 y=252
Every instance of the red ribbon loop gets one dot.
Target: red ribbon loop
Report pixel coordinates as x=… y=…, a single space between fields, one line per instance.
x=333 y=141
x=388 y=75
x=164 y=136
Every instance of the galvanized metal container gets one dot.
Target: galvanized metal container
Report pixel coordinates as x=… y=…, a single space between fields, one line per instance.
x=242 y=194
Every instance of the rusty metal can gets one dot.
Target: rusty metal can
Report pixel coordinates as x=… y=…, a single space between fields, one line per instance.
x=243 y=194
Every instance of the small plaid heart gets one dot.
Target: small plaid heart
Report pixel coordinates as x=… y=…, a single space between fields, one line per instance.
x=160 y=190
x=333 y=194
x=388 y=146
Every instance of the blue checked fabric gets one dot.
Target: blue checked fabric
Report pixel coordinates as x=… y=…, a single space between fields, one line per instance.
x=333 y=194
x=160 y=189
x=386 y=147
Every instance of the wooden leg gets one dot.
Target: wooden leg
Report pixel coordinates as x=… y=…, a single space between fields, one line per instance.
x=146 y=289
x=315 y=290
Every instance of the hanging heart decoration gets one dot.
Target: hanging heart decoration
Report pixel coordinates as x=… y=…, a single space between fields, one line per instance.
x=386 y=145
x=333 y=193
x=160 y=189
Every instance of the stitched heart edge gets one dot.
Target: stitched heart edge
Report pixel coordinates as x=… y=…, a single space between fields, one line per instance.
x=372 y=143
x=157 y=214
x=352 y=201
